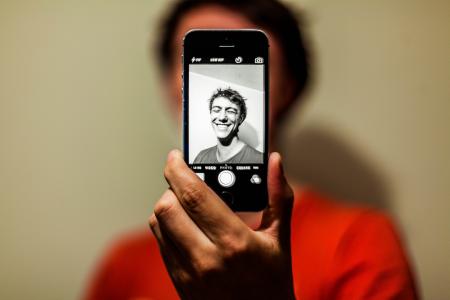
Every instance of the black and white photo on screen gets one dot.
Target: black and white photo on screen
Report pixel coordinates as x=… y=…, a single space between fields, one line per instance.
x=226 y=114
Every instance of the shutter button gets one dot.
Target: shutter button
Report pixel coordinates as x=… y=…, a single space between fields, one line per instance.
x=226 y=178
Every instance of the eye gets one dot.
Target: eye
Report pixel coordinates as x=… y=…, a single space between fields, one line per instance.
x=232 y=111
x=215 y=110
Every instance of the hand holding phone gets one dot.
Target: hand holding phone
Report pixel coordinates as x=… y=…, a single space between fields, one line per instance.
x=209 y=252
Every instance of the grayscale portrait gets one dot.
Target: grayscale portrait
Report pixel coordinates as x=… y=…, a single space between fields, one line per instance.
x=226 y=114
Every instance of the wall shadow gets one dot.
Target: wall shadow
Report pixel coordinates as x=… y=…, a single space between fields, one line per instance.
x=249 y=135
x=318 y=157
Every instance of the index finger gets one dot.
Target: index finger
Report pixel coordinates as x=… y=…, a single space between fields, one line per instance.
x=205 y=208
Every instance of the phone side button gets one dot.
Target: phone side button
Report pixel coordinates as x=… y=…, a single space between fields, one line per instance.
x=228 y=198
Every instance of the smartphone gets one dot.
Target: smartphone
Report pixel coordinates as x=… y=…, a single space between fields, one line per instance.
x=225 y=113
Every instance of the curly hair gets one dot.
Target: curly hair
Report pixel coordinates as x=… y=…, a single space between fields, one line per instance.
x=234 y=97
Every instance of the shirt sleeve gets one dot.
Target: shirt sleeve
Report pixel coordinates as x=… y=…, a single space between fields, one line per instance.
x=370 y=263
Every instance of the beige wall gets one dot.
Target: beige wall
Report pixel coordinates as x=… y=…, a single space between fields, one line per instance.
x=84 y=133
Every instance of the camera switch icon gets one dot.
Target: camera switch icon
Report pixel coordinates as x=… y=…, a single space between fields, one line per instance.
x=255 y=179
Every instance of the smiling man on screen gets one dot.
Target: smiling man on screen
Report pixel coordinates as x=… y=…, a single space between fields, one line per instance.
x=228 y=110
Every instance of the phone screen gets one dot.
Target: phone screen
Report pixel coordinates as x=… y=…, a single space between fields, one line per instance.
x=226 y=120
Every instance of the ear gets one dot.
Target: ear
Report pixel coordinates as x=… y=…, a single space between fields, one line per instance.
x=241 y=119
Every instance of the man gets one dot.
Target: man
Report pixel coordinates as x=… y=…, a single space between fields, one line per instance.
x=228 y=110
x=307 y=248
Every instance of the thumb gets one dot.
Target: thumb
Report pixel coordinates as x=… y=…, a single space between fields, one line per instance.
x=276 y=218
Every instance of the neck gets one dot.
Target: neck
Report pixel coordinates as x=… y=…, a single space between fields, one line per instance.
x=229 y=149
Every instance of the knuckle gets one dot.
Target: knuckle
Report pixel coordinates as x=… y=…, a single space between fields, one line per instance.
x=181 y=276
x=208 y=266
x=152 y=221
x=191 y=197
x=163 y=207
x=234 y=247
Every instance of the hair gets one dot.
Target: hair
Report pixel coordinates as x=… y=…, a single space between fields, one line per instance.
x=271 y=15
x=234 y=97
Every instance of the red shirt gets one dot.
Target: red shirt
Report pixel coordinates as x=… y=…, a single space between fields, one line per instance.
x=338 y=252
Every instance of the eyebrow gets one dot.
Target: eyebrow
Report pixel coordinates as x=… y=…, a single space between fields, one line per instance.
x=226 y=107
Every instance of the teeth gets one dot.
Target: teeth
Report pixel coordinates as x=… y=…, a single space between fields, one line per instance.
x=221 y=126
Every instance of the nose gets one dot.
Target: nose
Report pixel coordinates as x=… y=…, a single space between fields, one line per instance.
x=223 y=116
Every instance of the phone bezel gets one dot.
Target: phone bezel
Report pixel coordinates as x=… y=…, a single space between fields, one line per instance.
x=249 y=42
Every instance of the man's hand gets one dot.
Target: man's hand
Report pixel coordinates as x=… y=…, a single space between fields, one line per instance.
x=209 y=252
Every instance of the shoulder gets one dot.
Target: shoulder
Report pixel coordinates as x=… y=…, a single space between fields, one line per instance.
x=128 y=260
x=337 y=217
x=128 y=249
x=252 y=150
x=356 y=251
x=251 y=155
x=205 y=155
x=371 y=248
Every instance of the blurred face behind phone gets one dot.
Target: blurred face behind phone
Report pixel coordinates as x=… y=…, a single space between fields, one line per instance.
x=214 y=17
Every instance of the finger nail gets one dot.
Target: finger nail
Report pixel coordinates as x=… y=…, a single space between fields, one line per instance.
x=173 y=154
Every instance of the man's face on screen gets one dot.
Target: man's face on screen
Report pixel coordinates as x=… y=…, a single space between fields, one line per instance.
x=225 y=116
